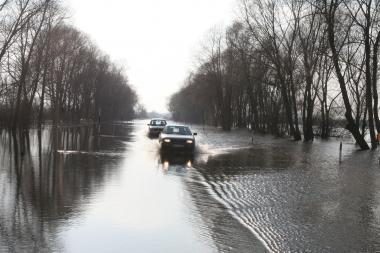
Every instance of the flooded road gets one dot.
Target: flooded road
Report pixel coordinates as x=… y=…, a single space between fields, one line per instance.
x=76 y=191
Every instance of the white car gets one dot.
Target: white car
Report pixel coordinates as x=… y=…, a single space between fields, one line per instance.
x=177 y=137
x=156 y=126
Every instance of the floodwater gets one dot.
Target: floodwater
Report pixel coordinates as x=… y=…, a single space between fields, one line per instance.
x=78 y=189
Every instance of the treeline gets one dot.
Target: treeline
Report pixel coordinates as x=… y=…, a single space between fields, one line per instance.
x=50 y=70
x=287 y=66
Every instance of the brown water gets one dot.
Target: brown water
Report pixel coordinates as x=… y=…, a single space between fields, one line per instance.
x=77 y=190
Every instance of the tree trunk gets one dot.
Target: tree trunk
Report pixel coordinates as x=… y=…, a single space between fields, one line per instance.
x=288 y=108
x=297 y=133
x=369 y=88
x=374 y=82
x=351 y=125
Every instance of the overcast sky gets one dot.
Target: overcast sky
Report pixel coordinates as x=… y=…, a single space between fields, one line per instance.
x=155 y=40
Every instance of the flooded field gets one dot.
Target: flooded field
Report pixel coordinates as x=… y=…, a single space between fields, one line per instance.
x=79 y=189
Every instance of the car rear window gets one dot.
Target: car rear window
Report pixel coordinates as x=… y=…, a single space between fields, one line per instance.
x=180 y=130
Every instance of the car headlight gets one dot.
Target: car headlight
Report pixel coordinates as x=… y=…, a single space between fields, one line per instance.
x=167 y=140
x=189 y=141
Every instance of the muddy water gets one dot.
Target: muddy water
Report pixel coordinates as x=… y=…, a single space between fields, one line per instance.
x=79 y=189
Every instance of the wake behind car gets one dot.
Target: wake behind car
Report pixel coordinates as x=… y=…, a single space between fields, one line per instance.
x=156 y=126
x=177 y=137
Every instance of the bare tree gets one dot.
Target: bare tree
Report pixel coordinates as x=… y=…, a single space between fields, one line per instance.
x=330 y=10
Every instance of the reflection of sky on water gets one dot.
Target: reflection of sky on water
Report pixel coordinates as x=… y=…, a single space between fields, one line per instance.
x=141 y=211
x=97 y=193
x=116 y=192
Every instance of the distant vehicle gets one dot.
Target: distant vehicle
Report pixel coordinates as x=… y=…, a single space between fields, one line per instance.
x=177 y=137
x=156 y=126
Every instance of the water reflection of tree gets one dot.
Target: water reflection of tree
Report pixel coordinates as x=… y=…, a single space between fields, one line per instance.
x=42 y=189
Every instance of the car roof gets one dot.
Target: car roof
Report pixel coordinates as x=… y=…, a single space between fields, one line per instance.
x=158 y=119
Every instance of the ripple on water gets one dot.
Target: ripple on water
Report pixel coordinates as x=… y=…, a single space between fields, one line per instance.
x=297 y=197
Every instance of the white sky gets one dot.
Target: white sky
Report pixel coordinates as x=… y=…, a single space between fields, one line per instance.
x=155 y=40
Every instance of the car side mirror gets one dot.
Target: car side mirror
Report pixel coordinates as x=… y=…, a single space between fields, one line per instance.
x=148 y=124
x=195 y=134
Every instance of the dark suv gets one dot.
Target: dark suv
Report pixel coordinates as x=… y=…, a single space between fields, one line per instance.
x=177 y=137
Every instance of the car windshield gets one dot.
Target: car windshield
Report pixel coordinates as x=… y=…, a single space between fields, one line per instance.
x=180 y=130
x=158 y=122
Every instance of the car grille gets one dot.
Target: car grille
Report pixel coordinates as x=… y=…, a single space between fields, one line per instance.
x=178 y=141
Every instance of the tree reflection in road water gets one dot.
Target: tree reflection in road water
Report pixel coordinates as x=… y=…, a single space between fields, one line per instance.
x=78 y=189
x=42 y=185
